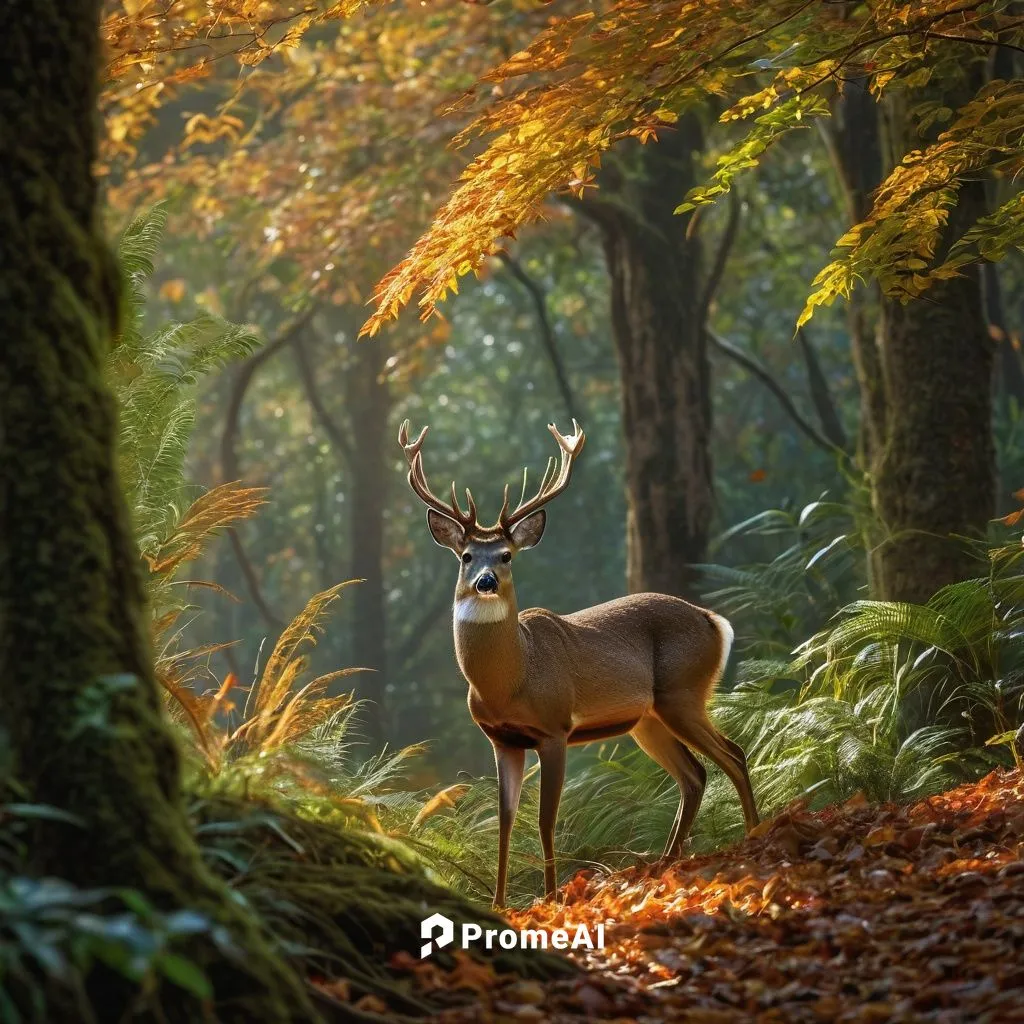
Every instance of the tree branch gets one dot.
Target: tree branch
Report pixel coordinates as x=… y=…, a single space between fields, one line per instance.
x=415 y=635
x=717 y=271
x=337 y=436
x=252 y=582
x=821 y=395
x=761 y=372
x=229 y=462
x=547 y=334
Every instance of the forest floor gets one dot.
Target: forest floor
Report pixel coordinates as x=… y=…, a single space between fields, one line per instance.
x=857 y=912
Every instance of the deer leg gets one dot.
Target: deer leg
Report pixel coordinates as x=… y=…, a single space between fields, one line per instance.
x=698 y=732
x=552 y=777
x=656 y=740
x=510 y=762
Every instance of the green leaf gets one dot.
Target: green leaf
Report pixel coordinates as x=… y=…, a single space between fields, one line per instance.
x=185 y=974
x=43 y=812
x=1001 y=739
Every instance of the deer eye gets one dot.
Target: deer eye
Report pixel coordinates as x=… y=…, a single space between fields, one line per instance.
x=466 y=558
x=506 y=556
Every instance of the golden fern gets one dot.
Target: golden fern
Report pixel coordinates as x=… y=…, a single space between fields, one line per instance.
x=278 y=712
x=216 y=510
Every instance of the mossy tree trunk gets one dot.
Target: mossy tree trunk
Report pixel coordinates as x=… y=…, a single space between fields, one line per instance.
x=934 y=477
x=79 y=704
x=663 y=362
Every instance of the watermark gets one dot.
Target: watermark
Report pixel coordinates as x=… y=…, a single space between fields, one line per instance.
x=438 y=931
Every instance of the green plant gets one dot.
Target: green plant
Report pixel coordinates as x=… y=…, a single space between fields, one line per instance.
x=54 y=937
x=818 y=566
x=155 y=376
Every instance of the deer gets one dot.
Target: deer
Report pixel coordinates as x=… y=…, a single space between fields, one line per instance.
x=644 y=664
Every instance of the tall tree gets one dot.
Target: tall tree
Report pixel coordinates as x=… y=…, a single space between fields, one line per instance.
x=934 y=476
x=358 y=435
x=657 y=322
x=855 y=148
x=368 y=403
x=78 y=699
x=924 y=372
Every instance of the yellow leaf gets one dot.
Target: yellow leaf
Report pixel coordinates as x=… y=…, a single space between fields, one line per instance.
x=439 y=801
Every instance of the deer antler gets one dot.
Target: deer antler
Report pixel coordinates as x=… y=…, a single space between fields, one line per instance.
x=418 y=482
x=552 y=483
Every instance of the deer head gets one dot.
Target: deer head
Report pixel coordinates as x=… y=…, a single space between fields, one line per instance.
x=486 y=552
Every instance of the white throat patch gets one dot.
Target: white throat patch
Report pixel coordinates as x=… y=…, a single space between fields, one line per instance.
x=481 y=609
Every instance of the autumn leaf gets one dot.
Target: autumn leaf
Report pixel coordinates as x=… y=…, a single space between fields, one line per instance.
x=447 y=798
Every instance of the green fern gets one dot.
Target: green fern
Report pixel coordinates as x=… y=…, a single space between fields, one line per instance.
x=155 y=377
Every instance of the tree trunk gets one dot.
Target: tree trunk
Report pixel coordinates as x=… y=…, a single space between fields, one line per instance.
x=858 y=159
x=368 y=402
x=662 y=349
x=78 y=698
x=935 y=477
x=357 y=435
x=1009 y=370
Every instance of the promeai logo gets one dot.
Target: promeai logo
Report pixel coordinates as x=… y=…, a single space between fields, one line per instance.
x=439 y=931
x=436 y=928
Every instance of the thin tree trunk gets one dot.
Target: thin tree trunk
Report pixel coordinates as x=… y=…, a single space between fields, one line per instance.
x=935 y=477
x=78 y=699
x=665 y=375
x=1009 y=369
x=368 y=402
x=358 y=438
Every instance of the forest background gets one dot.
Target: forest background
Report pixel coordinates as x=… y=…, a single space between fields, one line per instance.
x=655 y=208
x=776 y=473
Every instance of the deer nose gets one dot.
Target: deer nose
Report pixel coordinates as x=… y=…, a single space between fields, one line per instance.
x=487 y=583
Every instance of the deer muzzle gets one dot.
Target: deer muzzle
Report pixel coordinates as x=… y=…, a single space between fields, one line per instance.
x=487 y=583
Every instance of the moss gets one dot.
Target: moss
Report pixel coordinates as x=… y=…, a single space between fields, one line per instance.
x=349 y=900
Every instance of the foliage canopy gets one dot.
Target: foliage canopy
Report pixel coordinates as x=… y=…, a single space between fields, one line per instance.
x=590 y=80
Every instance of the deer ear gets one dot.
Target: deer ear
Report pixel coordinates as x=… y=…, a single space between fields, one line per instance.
x=528 y=533
x=445 y=531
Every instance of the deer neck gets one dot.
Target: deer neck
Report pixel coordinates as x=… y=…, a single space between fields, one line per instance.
x=489 y=646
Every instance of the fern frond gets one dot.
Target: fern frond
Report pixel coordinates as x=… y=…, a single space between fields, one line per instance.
x=301 y=632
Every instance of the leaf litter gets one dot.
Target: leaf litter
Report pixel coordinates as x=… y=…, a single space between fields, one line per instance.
x=859 y=912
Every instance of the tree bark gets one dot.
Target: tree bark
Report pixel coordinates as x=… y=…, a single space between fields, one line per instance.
x=78 y=700
x=662 y=349
x=934 y=480
x=925 y=377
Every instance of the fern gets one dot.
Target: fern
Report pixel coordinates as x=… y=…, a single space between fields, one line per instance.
x=155 y=377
